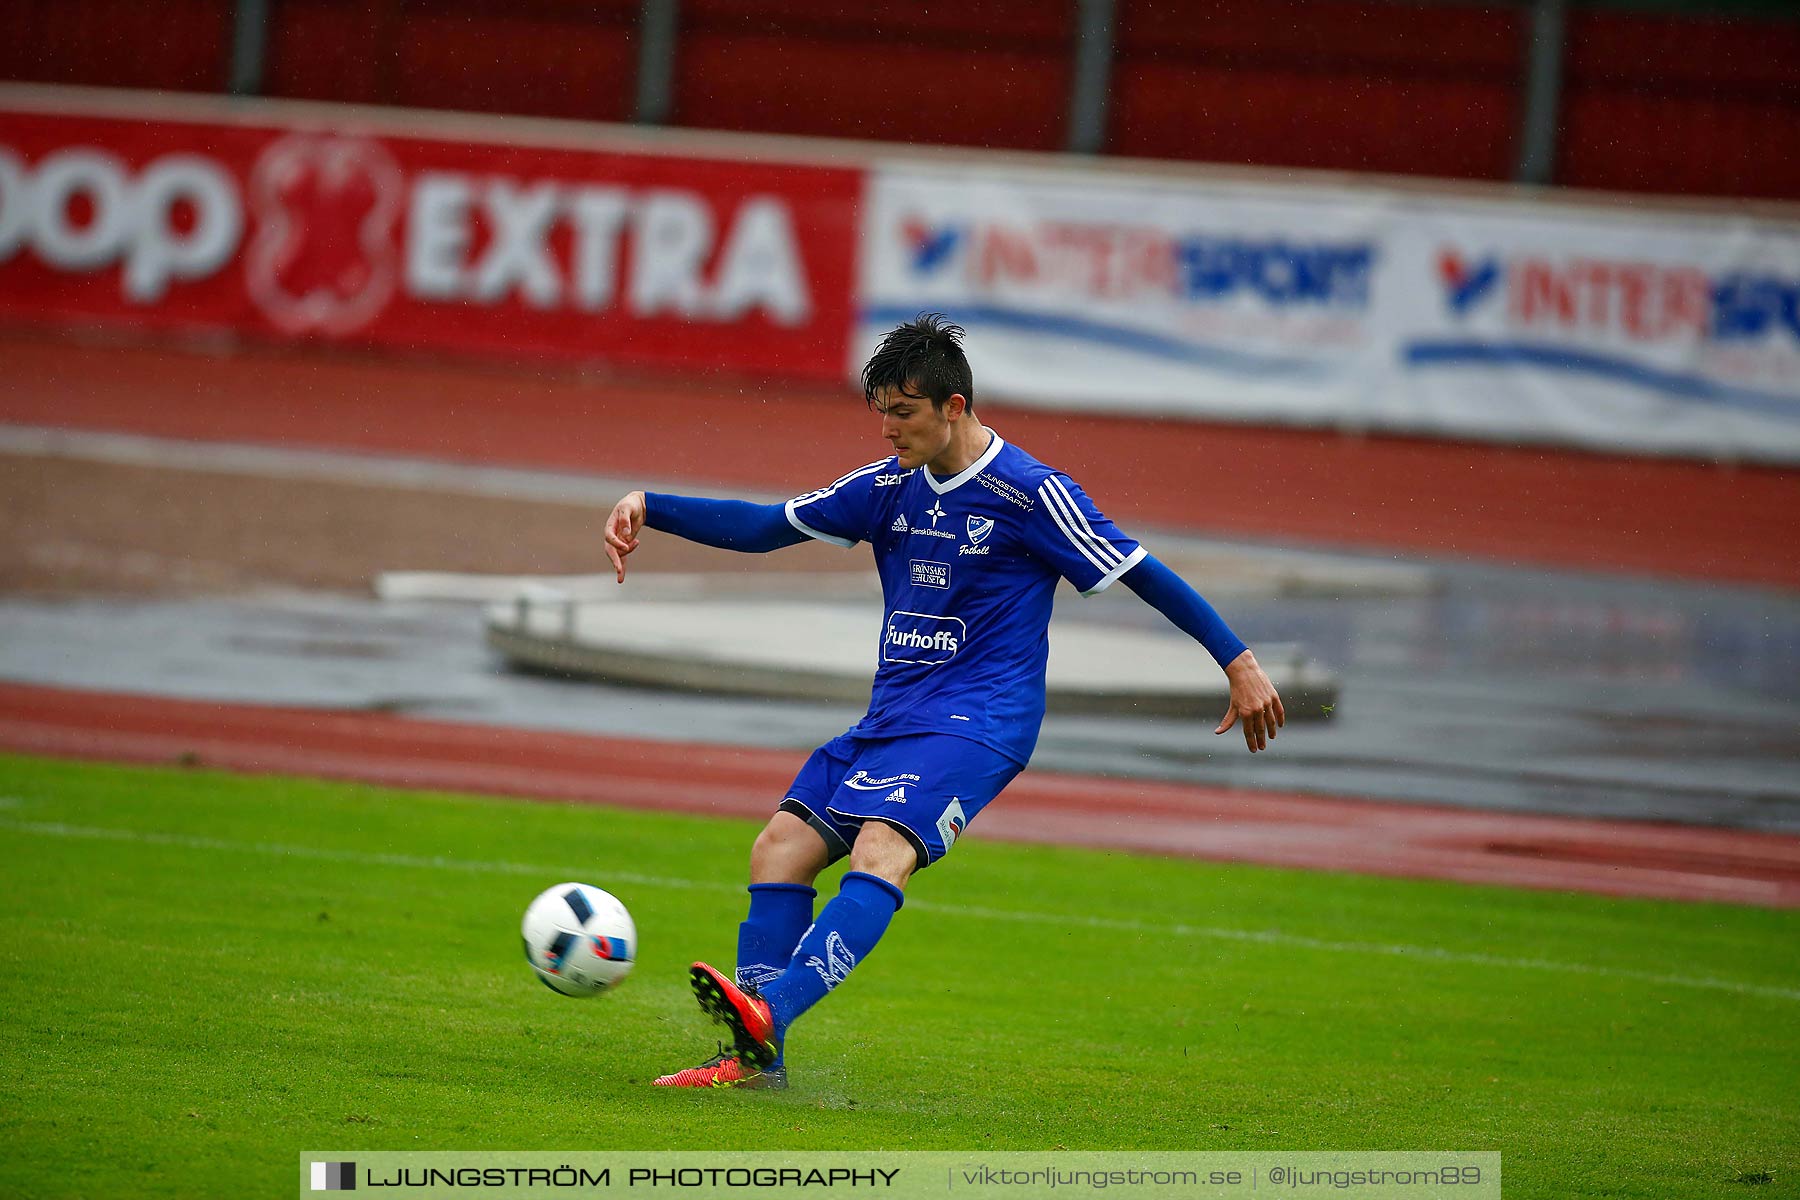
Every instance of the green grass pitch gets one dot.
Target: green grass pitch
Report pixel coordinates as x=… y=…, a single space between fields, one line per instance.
x=205 y=974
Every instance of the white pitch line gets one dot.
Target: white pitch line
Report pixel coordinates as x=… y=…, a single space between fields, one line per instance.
x=359 y=857
x=1427 y=954
x=1397 y=950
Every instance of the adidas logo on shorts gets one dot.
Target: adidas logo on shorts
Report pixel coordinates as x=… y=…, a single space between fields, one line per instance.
x=897 y=796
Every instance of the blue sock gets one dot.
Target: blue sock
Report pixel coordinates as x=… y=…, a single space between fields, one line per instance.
x=846 y=930
x=779 y=914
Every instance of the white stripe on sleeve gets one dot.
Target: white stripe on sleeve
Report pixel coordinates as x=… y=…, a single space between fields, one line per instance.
x=1053 y=506
x=1108 y=551
x=810 y=532
x=1131 y=560
x=831 y=488
x=792 y=507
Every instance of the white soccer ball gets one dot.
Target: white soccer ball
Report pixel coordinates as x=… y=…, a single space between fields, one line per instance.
x=579 y=940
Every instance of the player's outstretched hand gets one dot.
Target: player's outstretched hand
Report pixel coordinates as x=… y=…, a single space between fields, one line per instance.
x=1253 y=701
x=622 y=530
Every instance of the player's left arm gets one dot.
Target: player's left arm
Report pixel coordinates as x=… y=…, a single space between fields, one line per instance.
x=1069 y=532
x=1254 y=700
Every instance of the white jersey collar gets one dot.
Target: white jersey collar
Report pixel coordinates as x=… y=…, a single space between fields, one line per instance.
x=969 y=472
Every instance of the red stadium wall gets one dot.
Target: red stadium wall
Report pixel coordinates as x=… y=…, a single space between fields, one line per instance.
x=1652 y=102
x=172 y=45
x=1410 y=89
x=995 y=74
x=547 y=58
x=1681 y=104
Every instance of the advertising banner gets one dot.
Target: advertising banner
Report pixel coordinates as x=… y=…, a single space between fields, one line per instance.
x=1357 y=309
x=1130 y=295
x=1594 y=327
x=343 y=233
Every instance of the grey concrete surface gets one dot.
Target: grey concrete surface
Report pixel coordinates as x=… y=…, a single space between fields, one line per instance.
x=1492 y=687
x=1480 y=686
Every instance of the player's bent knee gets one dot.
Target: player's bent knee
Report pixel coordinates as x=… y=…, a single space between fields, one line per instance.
x=884 y=851
x=787 y=851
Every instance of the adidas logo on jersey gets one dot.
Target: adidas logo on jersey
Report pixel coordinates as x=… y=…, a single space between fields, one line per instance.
x=897 y=796
x=899 y=525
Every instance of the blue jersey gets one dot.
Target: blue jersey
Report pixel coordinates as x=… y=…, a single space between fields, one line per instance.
x=968 y=566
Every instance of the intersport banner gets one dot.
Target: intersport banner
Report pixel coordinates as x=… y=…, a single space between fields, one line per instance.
x=1363 y=309
x=344 y=232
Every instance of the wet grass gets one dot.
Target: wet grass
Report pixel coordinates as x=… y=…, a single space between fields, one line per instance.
x=206 y=974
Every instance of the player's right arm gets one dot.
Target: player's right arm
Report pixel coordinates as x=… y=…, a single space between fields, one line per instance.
x=622 y=530
x=837 y=513
x=727 y=524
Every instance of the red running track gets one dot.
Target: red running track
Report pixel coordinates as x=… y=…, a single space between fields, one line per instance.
x=1406 y=495
x=1219 y=824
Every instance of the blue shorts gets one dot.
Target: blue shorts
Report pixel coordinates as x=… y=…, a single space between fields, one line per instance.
x=929 y=786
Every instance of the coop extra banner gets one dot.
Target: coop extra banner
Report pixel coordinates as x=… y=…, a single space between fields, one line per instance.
x=345 y=231
x=1596 y=326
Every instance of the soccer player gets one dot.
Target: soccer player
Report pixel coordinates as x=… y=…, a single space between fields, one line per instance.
x=970 y=536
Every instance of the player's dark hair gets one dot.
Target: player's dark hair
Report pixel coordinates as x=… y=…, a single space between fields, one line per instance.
x=923 y=359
